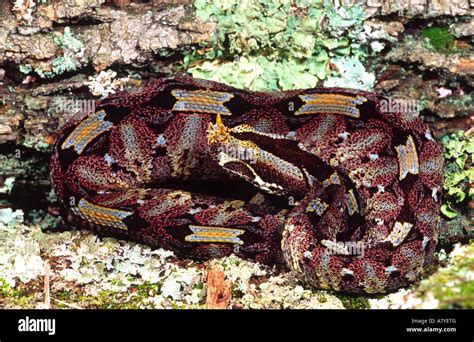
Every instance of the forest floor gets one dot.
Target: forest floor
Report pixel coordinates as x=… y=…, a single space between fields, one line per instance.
x=77 y=269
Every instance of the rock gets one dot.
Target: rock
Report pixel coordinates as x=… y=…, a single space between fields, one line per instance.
x=28 y=49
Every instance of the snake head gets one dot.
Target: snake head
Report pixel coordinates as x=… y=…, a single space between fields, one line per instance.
x=232 y=153
x=255 y=157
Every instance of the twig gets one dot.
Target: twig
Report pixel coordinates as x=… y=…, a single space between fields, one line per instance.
x=73 y=306
x=47 y=298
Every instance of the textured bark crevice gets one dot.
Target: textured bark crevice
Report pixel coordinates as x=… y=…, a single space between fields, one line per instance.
x=140 y=39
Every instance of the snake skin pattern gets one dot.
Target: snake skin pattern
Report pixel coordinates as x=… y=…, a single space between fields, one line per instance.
x=328 y=179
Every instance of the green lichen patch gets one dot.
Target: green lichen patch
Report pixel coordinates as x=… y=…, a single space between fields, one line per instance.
x=26 y=68
x=22 y=164
x=43 y=219
x=37 y=144
x=459 y=172
x=352 y=75
x=7 y=185
x=455 y=229
x=267 y=45
x=71 y=58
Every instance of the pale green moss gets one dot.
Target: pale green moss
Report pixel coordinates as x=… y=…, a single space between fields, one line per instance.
x=453 y=286
x=354 y=302
x=11 y=297
x=6 y=291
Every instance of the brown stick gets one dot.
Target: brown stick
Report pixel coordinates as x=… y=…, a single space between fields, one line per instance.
x=47 y=297
x=219 y=290
x=72 y=306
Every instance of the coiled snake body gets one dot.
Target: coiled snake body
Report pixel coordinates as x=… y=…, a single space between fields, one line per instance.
x=343 y=189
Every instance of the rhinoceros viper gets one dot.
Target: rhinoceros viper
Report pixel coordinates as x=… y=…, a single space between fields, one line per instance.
x=341 y=187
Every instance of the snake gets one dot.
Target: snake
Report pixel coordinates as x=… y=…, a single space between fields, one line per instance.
x=339 y=184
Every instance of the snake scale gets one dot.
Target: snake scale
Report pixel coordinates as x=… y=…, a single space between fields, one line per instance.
x=343 y=190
